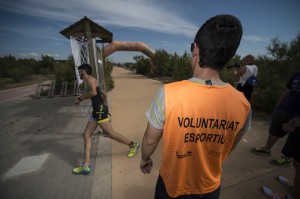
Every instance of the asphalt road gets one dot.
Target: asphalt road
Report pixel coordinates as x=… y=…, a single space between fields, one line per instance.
x=11 y=94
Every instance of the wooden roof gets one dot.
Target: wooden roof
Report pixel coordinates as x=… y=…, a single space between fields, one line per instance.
x=78 y=30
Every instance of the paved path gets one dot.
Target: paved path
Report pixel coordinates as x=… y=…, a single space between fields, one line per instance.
x=19 y=92
x=15 y=93
x=54 y=126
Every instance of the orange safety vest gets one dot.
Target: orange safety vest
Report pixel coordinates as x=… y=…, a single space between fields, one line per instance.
x=201 y=124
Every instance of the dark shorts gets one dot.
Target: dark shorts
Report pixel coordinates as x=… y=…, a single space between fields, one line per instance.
x=278 y=119
x=246 y=89
x=291 y=147
x=161 y=192
x=100 y=114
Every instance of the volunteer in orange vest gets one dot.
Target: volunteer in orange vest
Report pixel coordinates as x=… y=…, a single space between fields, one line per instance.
x=200 y=120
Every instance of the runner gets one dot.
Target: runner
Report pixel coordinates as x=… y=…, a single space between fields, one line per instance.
x=98 y=117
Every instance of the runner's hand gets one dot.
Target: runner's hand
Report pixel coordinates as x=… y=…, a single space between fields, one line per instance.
x=146 y=166
x=286 y=127
x=77 y=101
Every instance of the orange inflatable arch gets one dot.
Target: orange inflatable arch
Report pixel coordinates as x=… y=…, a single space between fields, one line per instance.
x=128 y=46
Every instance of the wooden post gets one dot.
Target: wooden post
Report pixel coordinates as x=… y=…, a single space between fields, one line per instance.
x=53 y=88
x=38 y=91
x=50 y=88
x=62 y=89
x=75 y=88
x=66 y=88
x=88 y=35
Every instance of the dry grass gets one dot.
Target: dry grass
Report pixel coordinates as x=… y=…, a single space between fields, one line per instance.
x=7 y=83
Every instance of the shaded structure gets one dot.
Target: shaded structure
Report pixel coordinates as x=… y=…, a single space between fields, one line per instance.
x=87 y=28
x=88 y=31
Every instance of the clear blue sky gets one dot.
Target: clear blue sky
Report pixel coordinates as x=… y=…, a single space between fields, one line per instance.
x=30 y=28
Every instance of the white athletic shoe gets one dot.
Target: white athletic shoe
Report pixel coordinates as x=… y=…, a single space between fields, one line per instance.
x=285 y=182
x=273 y=195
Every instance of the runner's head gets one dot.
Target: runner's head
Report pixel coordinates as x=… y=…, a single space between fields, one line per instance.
x=86 y=67
x=217 y=40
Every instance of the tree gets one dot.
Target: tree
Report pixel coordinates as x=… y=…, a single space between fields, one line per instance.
x=294 y=50
x=15 y=69
x=107 y=75
x=46 y=64
x=181 y=66
x=227 y=73
x=6 y=64
x=278 y=50
x=143 y=65
x=162 y=63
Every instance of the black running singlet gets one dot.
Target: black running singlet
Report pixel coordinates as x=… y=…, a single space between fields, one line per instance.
x=97 y=100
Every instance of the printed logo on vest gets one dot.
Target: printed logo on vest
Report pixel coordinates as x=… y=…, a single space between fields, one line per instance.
x=187 y=154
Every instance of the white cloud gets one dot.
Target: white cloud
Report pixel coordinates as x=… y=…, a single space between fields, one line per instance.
x=53 y=55
x=254 y=38
x=29 y=55
x=35 y=55
x=144 y=14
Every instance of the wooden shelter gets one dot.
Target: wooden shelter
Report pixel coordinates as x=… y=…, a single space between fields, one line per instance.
x=87 y=29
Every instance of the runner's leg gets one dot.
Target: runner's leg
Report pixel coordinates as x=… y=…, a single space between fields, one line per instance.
x=108 y=130
x=88 y=132
x=270 y=142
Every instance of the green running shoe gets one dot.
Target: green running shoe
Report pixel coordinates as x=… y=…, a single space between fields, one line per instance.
x=281 y=162
x=261 y=151
x=82 y=170
x=133 y=150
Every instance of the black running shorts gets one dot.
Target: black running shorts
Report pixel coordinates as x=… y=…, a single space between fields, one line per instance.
x=100 y=114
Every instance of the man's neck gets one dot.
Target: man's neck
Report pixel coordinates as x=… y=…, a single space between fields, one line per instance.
x=86 y=77
x=207 y=74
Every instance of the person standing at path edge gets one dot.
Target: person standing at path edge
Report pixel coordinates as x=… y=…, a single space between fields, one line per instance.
x=200 y=120
x=244 y=73
x=99 y=117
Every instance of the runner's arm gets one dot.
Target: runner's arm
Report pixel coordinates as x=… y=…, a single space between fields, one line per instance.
x=155 y=115
x=150 y=141
x=149 y=144
x=93 y=90
x=243 y=131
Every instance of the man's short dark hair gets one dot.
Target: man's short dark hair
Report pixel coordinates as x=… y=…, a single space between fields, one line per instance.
x=218 y=39
x=86 y=67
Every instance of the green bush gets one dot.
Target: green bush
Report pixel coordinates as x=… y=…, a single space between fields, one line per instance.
x=181 y=67
x=273 y=71
x=143 y=65
x=107 y=75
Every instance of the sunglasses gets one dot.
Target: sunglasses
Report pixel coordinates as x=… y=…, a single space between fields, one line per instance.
x=192 y=47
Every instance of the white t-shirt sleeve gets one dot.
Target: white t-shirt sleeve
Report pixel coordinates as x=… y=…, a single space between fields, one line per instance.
x=156 y=112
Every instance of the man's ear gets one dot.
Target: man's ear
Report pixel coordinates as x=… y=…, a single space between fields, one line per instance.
x=196 y=50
